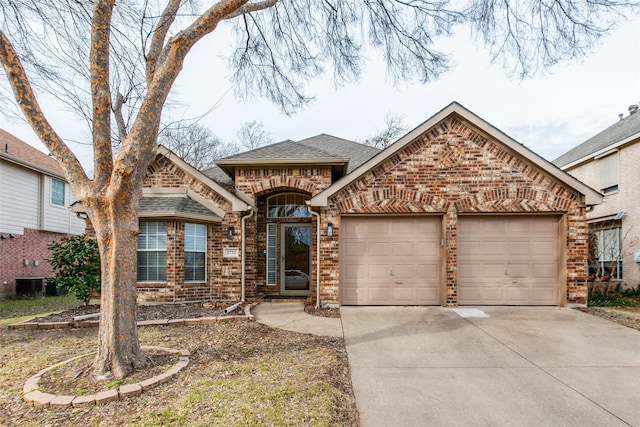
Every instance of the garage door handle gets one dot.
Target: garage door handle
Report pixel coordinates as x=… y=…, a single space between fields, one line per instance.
x=399 y=283
x=506 y=272
x=391 y=273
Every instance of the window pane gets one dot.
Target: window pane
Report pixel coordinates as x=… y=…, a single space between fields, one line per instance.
x=287 y=205
x=195 y=242
x=57 y=192
x=152 y=255
x=608 y=171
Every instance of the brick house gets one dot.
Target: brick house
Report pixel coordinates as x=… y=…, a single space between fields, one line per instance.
x=455 y=212
x=34 y=201
x=609 y=161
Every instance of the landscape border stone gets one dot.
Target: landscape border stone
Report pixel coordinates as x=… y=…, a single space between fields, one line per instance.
x=26 y=324
x=38 y=398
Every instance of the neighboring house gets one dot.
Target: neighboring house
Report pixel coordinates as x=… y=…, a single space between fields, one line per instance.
x=34 y=200
x=609 y=162
x=453 y=213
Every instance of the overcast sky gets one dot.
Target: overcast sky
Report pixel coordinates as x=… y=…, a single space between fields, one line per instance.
x=549 y=113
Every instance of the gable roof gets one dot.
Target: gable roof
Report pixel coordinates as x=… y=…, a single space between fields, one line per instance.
x=620 y=133
x=319 y=149
x=239 y=201
x=592 y=196
x=17 y=151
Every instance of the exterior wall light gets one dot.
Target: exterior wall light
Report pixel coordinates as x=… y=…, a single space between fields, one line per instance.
x=330 y=229
x=230 y=232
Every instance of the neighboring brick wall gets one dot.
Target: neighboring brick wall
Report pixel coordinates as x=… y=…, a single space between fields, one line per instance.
x=32 y=246
x=452 y=169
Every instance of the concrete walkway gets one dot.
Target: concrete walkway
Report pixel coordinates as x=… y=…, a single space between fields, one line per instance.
x=493 y=366
x=292 y=317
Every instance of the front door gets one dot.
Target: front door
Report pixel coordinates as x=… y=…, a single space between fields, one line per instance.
x=295 y=259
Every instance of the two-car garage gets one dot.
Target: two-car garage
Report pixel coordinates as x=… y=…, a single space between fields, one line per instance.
x=401 y=260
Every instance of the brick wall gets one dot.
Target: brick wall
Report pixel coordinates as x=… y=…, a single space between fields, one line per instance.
x=453 y=169
x=223 y=274
x=256 y=182
x=32 y=246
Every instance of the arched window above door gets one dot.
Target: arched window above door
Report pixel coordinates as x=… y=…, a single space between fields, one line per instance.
x=287 y=205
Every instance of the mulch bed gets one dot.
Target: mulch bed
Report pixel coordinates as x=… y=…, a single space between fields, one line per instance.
x=152 y=312
x=322 y=311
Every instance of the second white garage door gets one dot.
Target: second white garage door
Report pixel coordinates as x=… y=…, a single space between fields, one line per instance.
x=390 y=260
x=508 y=260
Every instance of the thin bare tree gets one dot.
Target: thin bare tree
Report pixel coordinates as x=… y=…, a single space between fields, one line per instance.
x=116 y=65
x=196 y=144
x=252 y=135
x=393 y=128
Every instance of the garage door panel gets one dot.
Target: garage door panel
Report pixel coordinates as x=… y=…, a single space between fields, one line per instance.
x=527 y=271
x=354 y=271
x=408 y=247
x=403 y=248
x=547 y=249
x=515 y=248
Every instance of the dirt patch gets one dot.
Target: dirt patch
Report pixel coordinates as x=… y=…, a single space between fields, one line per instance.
x=619 y=317
x=152 y=312
x=77 y=377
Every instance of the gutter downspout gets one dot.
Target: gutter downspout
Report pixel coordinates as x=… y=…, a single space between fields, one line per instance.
x=243 y=221
x=317 y=215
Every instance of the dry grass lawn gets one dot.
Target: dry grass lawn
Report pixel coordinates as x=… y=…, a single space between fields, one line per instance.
x=241 y=374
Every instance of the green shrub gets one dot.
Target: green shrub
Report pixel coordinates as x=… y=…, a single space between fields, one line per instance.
x=76 y=263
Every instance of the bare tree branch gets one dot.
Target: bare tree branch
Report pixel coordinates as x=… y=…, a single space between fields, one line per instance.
x=33 y=113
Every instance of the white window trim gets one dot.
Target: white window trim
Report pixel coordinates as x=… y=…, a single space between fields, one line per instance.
x=153 y=250
x=271 y=254
x=206 y=235
x=64 y=193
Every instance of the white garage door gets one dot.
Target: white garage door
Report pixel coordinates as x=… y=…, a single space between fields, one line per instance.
x=390 y=260
x=508 y=260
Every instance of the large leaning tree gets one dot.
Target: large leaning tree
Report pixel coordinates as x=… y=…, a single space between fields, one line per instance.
x=114 y=63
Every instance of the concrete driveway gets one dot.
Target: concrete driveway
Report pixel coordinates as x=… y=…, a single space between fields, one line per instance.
x=520 y=366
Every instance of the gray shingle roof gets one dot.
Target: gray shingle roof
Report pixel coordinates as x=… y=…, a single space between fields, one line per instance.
x=179 y=206
x=321 y=146
x=218 y=175
x=615 y=133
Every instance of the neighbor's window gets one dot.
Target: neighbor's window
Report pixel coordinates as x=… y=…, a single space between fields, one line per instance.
x=57 y=192
x=152 y=252
x=287 y=205
x=195 y=252
x=609 y=173
x=609 y=259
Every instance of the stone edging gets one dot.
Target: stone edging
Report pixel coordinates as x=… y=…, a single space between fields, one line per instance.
x=159 y=322
x=32 y=394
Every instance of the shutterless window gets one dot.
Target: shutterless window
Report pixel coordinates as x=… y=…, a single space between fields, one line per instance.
x=609 y=173
x=57 y=192
x=152 y=252
x=195 y=252
x=287 y=205
x=609 y=252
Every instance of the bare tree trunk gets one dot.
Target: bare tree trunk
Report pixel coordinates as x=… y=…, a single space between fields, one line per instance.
x=116 y=226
